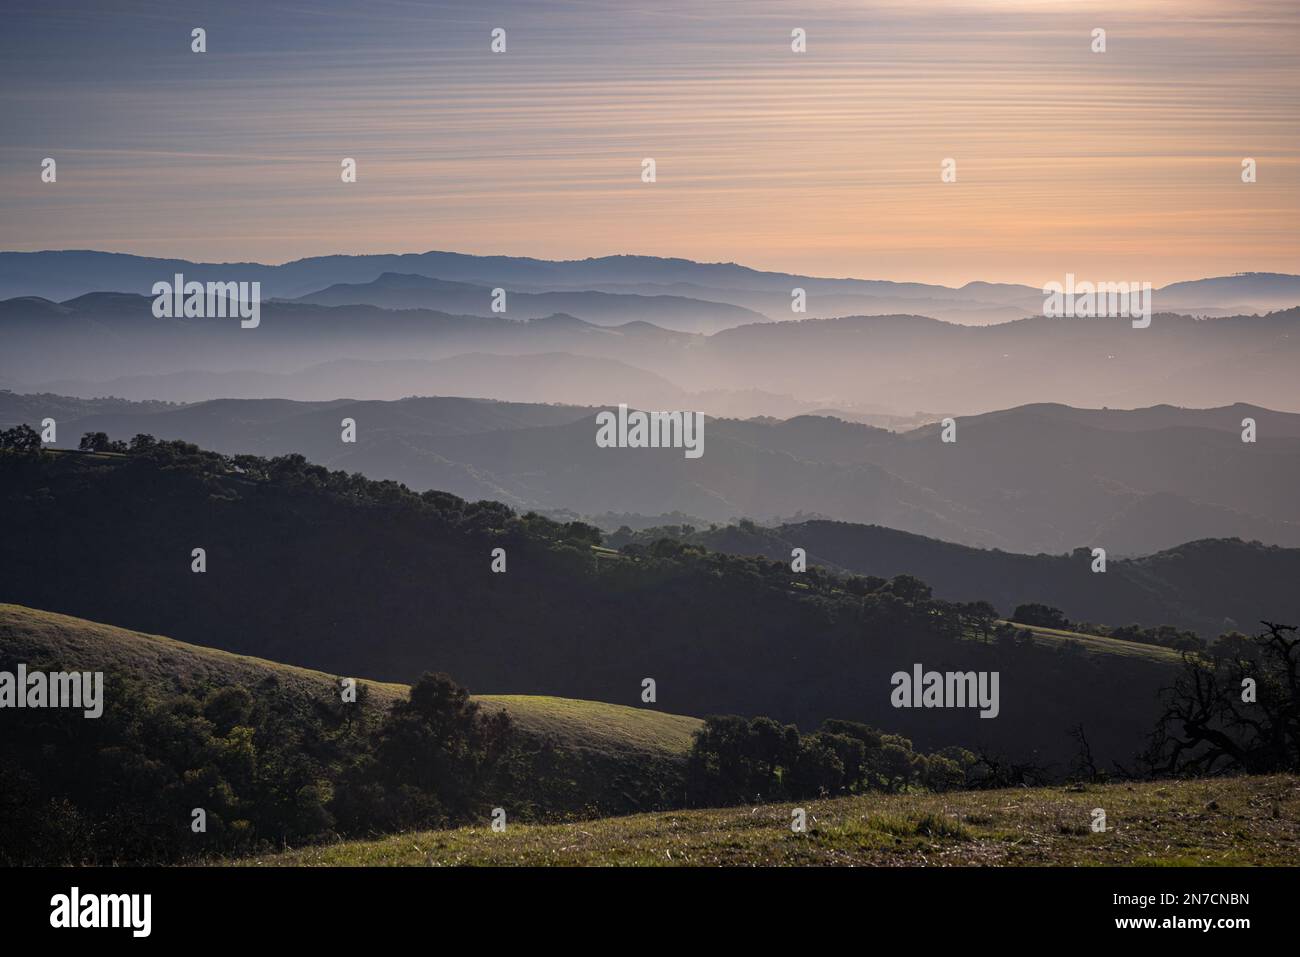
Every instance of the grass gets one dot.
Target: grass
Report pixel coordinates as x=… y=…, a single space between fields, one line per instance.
x=1227 y=821
x=27 y=634
x=32 y=636
x=595 y=724
x=1176 y=823
x=1102 y=646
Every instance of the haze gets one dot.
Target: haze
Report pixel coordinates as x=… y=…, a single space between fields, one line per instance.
x=1122 y=165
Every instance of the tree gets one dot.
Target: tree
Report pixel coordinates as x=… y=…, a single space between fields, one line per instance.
x=1043 y=616
x=852 y=754
x=861 y=585
x=943 y=773
x=981 y=615
x=734 y=760
x=1235 y=711
x=580 y=533
x=817 y=769
x=719 y=769
x=771 y=748
x=1166 y=636
x=21 y=438
x=1085 y=766
x=894 y=765
x=910 y=589
x=438 y=749
x=991 y=770
x=100 y=442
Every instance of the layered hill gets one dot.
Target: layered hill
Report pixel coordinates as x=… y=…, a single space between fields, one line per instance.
x=895 y=363
x=1210 y=586
x=397 y=291
x=1039 y=478
x=337 y=573
x=60 y=274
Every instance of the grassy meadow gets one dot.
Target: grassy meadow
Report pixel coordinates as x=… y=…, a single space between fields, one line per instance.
x=1225 y=822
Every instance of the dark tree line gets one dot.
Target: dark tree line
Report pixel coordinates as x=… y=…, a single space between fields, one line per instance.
x=265 y=769
x=21 y=439
x=735 y=760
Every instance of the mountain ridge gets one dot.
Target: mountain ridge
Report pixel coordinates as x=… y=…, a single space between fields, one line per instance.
x=60 y=274
x=1037 y=478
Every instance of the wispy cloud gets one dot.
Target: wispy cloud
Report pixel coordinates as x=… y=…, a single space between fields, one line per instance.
x=823 y=162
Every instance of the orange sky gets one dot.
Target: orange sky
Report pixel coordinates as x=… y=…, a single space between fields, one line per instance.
x=1124 y=164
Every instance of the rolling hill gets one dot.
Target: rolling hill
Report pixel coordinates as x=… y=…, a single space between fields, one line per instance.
x=397 y=291
x=1218 y=822
x=896 y=364
x=1038 y=478
x=26 y=634
x=610 y=758
x=545 y=377
x=1209 y=586
x=349 y=576
x=108 y=335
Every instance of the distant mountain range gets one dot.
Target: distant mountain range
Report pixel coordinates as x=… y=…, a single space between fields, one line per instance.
x=896 y=365
x=1039 y=478
x=397 y=291
x=697 y=291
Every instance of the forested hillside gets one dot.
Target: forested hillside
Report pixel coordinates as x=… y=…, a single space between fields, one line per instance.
x=350 y=576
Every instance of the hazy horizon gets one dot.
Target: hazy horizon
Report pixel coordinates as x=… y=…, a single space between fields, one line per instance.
x=1122 y=165
x=625 y=254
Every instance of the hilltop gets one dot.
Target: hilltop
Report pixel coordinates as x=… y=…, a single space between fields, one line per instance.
x=27 y=634
x=270 y=753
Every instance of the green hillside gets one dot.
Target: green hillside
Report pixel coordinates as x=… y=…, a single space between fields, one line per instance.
x=276 y=757
x=597 y=725
x=29 y=635
x=1222 y=821
x=1098 y=645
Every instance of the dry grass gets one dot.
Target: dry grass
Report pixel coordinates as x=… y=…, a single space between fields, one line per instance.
x=1236 y=821
x=30 y=635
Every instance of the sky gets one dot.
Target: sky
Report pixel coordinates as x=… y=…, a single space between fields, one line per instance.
x=1115 y=166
